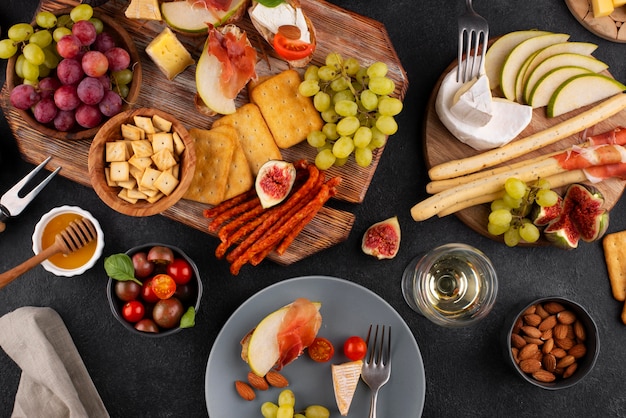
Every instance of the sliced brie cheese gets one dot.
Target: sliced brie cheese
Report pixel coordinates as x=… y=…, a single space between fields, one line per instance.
x=507 y=121
x=284 y=14
x=472 y=102
x=345 y=380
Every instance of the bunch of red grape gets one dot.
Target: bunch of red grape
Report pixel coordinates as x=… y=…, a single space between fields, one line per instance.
x=74 y=74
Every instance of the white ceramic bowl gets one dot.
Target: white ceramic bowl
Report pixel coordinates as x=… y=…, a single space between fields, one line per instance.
x=39 y=229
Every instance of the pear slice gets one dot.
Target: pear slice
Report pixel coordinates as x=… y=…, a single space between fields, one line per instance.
x=563 y=60
x=515 y=60
x=183 y=16
x=500 y=49
x=547 y=85
x=582 y=48
x=582 y=90
x=208 y=71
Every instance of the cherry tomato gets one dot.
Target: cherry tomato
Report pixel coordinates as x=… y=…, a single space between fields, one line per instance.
x=147 y=325
x=167 y=312
x=143 y=267
x=291 y=49
x=321 y=350
x=160 y=255
x=180 y=271
x=127 y=290
x=355 y=348
x=133 y=311
x=147 y=294
x=163 y=286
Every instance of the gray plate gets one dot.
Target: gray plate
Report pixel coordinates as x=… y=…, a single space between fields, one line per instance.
x=347 y=309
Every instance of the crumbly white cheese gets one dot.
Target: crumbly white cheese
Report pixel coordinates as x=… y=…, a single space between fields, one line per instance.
x=507 y=121
x=284 y=14
x=472 y=102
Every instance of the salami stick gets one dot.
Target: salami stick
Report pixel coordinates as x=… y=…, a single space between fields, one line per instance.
x=232 y=212
x=241 y=233
x=240 y=220
x=227 y=204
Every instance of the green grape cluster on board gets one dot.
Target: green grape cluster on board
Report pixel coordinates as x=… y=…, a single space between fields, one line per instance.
x=356 y=106
x=509 y=215
x=285 y=408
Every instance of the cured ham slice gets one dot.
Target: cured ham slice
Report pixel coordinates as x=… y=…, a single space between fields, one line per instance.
x=212 y=4
x=297 y=331
x=616 y=136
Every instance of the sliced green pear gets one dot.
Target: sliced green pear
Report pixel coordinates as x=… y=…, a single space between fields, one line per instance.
x=582 y=48
x=566 y=59
x=515 y=60
x=184 y=16
x=500 y=49
x=582 y=90
x=208 y=71
x=547 y=85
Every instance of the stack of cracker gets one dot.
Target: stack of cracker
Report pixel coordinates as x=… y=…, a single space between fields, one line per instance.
x=230 y=154
x=615 y=255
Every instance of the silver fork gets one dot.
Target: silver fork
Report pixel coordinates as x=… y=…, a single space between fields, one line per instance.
x=473 y=33
x=377 y=366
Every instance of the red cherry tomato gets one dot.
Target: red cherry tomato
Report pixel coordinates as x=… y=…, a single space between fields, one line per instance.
x=180 y=271
x=291 y=49
x=133 y=311
x=321 y=350
x=147 y=294
x=163 y=286
x=355 y=348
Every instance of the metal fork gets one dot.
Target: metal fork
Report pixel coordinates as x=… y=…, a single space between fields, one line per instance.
x=473 y=33
x=11 y=204
x=377 y=366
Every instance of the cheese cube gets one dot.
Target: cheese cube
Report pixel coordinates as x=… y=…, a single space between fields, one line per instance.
x=602 y=7
x=618 y=3
x=169 y=54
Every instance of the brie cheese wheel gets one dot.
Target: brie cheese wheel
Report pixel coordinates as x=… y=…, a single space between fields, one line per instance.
x=345 y=380
x=472 y=102
x=507 y=121
x=284 y=14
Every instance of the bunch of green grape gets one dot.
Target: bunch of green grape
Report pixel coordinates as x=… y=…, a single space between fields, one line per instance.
x=36 y=46
x=286 y=408
x=509 y=214
x=356 y=106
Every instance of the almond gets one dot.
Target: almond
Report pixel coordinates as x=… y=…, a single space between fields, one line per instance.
x=564 y=343
x=579 y=331
x=276 y=379
x=530 y=340
x=558 y=352
x=544 y=376
x=541 y=312
x=244 y=390
x=565 y=362
x=530 y=310
x=517 y=325
x=517 y=341
x=528 y=351
x=548 y=323
x=549 y=362
x=577 y=351
x=532 y=332
x=547 y=334
x=566 y=317
x=553 y=307
x=570 y=370
x=530 y=365
x=257 y=382
x=548 y=346
x=532 y=319
x=560 y=331
x=514 y=353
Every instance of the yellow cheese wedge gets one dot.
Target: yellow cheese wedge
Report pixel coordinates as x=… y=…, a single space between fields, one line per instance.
x=619 y=3
x=143 y=9
x=602 y=7
x=169 y=54
x=345 y=380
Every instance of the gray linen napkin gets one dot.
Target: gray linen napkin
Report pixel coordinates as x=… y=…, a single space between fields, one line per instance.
x=54 y=381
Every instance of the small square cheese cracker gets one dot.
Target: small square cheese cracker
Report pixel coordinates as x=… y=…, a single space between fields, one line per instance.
x=289 y=115
x=614 y=245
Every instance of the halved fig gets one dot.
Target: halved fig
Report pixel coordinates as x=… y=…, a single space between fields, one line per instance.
x=274 y=182
x=382 y=240
x=543 y=215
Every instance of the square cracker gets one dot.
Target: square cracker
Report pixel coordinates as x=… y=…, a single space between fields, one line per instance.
x=289 y=115
x=240 y=177
x=215 y=152
x=253 y=134
x=614 y=245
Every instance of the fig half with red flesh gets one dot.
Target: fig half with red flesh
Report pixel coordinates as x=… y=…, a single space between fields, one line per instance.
x=274 y=182
x=382 y=240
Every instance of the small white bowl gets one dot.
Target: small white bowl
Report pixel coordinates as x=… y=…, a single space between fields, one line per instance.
x=39 y=229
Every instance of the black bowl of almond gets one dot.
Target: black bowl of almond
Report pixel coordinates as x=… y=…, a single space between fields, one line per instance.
x=552 y=342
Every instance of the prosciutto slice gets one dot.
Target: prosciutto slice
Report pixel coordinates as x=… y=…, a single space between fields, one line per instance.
x=223 y=5
x=237 y=57
x=297 y=331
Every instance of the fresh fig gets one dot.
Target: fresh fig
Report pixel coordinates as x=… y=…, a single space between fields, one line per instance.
x=382 y=240
x=542 y=216
x=582 y=217
x=274 y=182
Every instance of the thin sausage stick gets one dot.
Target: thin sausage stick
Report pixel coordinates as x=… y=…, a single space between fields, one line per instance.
x=233 y=212
x=236 y=223
x=227 y=204
x=584 y=120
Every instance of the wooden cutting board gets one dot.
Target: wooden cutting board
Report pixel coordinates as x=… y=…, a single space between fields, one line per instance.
x=441 y=146
x=612 y=27
x=337 y=30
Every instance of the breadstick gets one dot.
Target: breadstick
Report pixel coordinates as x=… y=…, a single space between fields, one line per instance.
x=578 y=123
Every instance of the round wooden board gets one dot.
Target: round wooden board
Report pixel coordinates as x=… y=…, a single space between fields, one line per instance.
x=441 y=146
x=610 y=27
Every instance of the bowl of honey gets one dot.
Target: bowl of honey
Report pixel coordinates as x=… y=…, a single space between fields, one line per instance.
x=53 y=223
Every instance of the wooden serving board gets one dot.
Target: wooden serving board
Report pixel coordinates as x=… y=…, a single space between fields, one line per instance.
x=612 y=27
x=441 y=146
x=357 y=34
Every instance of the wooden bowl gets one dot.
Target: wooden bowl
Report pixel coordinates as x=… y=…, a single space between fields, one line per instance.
x=122 y=39
x=111 y=131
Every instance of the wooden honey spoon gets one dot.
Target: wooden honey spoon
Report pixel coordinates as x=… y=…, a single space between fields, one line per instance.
x=74 y=237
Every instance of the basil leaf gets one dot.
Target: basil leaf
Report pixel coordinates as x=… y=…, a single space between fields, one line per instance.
x=188 y=319
x=270 y=3
x=120 y=267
